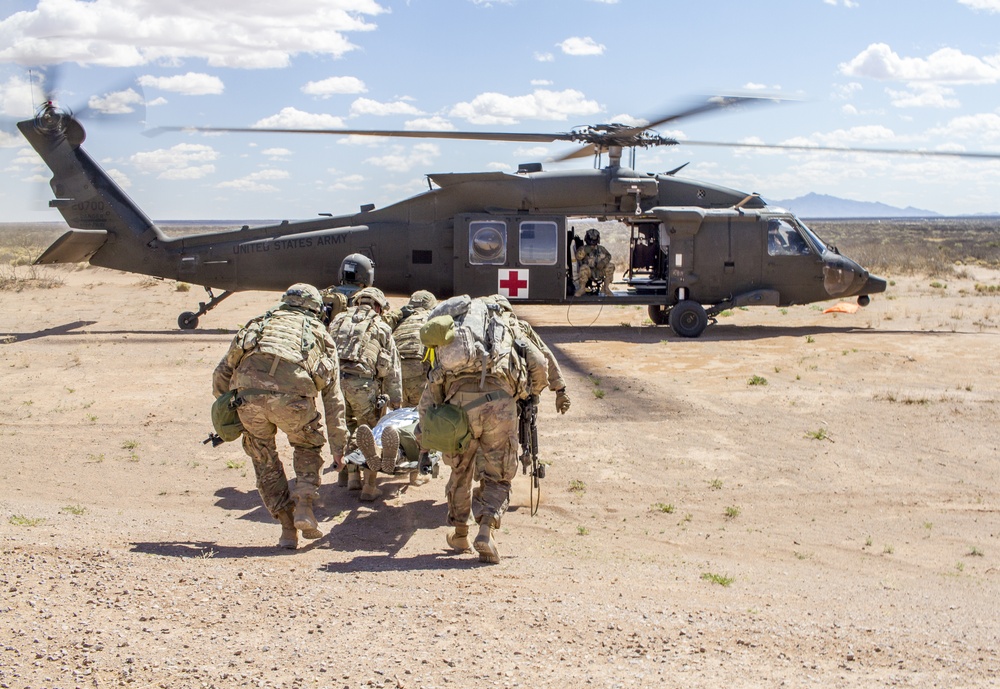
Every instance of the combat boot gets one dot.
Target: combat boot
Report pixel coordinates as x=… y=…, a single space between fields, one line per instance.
x=369 y=491
x=459 y=538
x=580 y=292
x=366 y=443
x=342 y=477
x=390 y=450
x=606 y=289
x=289 y=536
x=304 y=520
x=485 y=543
x=354 y=479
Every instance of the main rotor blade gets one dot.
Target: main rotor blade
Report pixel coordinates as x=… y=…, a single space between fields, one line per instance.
x=398 y=133
x=711 y=104
x=846 y=149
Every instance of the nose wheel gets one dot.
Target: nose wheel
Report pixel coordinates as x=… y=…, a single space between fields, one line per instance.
x=189 y=319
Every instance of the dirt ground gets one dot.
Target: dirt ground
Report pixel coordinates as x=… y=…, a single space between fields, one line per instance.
x=794 y=499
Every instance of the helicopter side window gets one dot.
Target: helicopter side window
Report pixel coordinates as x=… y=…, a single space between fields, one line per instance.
x=487 y=243
x=538 y=243
x=784 y=239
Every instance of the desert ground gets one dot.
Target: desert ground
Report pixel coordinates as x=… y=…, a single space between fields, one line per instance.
x=795 y=499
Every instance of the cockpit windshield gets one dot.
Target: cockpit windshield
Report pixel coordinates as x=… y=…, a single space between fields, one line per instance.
x=816 y=241
x=784 y=239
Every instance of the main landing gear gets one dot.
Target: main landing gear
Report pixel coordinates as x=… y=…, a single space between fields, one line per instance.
x=189 y=319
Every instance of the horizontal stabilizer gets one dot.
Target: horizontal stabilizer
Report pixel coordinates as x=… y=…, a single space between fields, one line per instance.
x=76 y=246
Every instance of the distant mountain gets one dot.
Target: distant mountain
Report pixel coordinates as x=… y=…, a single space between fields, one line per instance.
x=823 y=206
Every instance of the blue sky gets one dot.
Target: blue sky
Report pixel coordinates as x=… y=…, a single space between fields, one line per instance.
x=885 y=74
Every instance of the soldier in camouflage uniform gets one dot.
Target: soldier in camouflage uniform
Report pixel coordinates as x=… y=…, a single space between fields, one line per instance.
x=357 y=271
x=405 y=324
x=594 y=261
x=369 y=370
x=556 y=382
x=491 y=457
x=277 y=363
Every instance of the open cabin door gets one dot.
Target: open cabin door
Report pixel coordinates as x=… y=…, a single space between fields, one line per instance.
x=521 y=257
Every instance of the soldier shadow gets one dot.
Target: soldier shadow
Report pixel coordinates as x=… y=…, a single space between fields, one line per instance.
x=206 y=550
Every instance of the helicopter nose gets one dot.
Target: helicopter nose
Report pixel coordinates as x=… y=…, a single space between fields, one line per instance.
x=873 y=285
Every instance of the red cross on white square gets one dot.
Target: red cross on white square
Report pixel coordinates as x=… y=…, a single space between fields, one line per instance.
x=513 y=283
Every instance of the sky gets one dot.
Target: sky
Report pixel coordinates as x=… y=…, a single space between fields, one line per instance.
x=891 y=74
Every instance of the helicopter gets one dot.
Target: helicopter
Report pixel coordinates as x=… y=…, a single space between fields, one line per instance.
x=695 y=249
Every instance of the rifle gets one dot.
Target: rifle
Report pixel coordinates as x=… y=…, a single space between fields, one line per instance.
x=527 y=435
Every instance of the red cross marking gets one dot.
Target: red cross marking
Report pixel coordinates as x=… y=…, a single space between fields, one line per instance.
x=513 y=283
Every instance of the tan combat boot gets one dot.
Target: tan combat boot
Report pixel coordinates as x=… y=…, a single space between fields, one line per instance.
x=366 y=443
x=580 y=292
x=485 y=544
x=354 y=478
x=369 y=491
x=289 y=536
x=606 y=289
x=390 y=450
x=304 y=520
x=459 y=538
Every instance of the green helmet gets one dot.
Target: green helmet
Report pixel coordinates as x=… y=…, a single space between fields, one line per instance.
x=304 y=296
x=422 y=299
x=372 y=296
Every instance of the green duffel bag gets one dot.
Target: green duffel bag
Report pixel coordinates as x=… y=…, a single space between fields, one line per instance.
x=225 y=418
x=445 y=428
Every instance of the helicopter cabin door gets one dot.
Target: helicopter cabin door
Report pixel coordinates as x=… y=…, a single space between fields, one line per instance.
x=521 y=257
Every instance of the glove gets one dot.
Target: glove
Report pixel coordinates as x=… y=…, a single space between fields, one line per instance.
x=562 y=401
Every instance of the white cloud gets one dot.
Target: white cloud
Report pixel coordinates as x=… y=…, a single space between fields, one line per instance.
x=987 y=5
x=256 y=182
x=274 y=153
x=436 y=124
x=542 y=104
x=120 y=178
x=234 y=33
x=577 y=45
x=401 y=160
x=347 y=183
x=190 y=84
x=293 y=118
x=545 y=57
x=16 y=97
x=845 y=3
x=367 y=106
x=924 y=96
x=334 y=86
x=183 y=161
x=878 y=61
x=117 y=103
x=981 y=128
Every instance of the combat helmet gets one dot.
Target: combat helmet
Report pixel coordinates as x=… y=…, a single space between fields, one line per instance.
x=372 y=296
x=304 y=296
x=592 y=238
x=357 y=269
x=422 y=299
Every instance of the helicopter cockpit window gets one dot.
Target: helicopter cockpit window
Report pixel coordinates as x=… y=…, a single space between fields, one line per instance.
x=487 y=242
x=784 y=239
x=539 y=243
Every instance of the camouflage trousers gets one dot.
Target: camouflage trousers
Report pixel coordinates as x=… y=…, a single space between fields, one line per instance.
x=414 y=379
x=359 y=400
x=297 y=417
x=490 y=459
x=586 y=272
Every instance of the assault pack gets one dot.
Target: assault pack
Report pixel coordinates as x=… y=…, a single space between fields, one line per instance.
x=477 y=341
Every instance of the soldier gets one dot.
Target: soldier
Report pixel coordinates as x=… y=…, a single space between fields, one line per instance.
x=405 y=324
x=556 y=382
x=357 y=271
x=369 y=373
x=276 y=363
x=488 y=397
x=594 y=261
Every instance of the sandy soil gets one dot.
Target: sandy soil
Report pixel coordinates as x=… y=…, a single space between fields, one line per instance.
x=794 y=499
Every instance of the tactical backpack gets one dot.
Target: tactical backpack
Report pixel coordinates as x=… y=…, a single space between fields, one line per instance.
x=354 y=331
x=482 y=342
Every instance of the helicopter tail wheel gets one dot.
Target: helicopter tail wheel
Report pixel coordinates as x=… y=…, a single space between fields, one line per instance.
x=864 y=300
x=187 y=321
x=657 y=314
x=688 y=318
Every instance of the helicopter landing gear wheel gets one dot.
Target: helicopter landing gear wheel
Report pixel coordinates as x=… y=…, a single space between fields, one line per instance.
x=187 y=320
x=688 y=318
x=657 y=314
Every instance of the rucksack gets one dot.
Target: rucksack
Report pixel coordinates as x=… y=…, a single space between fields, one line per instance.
x=482 y=341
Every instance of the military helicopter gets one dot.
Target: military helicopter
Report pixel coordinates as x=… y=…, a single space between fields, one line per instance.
x=695 y=248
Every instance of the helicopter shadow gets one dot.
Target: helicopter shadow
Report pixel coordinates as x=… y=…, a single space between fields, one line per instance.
x=56 y=331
